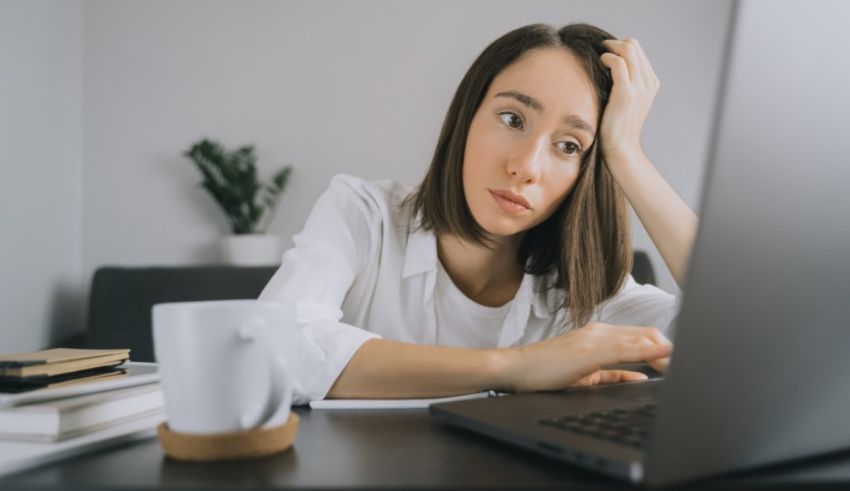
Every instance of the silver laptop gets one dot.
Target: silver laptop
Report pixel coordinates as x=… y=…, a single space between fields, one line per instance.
x=760 y=372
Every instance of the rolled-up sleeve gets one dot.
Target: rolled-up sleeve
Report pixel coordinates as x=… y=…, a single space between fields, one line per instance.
x=316 y=275
x=640 y=305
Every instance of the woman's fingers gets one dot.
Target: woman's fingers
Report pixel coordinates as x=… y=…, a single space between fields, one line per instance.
x=629 y=344
x=578 y=357
x=601 y=377
x=659 y=364
x=628 y=51
x=647 y=74
x=638 y=65
x=657 y=336
x=644 y=350
x=617 y=65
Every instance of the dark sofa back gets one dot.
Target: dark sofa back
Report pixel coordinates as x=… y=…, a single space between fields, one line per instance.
x=121 y=298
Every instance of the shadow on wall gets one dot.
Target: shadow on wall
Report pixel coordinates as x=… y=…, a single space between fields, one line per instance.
x=67 y=316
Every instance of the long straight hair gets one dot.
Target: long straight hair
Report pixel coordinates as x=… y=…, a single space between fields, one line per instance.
x=585 y=242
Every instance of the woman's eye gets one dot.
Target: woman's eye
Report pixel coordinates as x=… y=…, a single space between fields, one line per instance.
x=570 y=148
x=511 y=120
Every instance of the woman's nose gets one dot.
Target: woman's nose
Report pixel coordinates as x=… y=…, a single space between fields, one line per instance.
x=526 y=162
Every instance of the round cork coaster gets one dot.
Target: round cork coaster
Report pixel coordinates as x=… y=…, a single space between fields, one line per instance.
x=248 y=444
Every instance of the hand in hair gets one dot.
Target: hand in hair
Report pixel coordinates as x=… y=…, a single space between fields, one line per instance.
x=577 y=358
x=670 y=222
x=634 y=89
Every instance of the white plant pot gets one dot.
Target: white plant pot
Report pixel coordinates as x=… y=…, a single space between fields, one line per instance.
x=252 y=249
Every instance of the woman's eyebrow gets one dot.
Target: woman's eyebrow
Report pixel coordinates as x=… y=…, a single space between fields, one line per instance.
x=571 y=120
x=523 y=98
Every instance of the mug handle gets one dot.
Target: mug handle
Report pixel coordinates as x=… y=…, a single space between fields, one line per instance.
x=256 y=330
x=283 y=380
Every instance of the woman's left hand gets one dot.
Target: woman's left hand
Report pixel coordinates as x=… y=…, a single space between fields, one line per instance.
x=635 y=86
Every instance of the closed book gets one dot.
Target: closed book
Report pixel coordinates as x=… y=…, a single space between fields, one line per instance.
x=136 y=373
x=16 y=456
x=9 y=385
x=73 y=416
x=57 y=361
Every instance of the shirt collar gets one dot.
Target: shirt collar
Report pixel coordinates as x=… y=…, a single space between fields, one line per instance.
x=531 y=290
x=420 y=255
x=545 y=301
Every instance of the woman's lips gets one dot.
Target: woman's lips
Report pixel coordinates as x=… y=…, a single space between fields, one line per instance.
x=510 y=203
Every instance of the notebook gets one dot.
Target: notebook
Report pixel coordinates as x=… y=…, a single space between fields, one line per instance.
x=57 y=361
x=17 y=455
x=135 y=373
x=65 y=418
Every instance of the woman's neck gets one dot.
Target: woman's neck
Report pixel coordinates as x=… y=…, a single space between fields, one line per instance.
x=487 y=276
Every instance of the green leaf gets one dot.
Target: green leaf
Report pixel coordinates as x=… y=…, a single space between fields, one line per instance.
x=230 y=177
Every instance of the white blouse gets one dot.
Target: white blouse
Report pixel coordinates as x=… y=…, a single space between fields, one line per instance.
x=359 y=270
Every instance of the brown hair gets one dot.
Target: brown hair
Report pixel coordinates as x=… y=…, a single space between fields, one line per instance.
x=586 y=240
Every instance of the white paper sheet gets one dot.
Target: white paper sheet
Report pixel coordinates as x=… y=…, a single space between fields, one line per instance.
x=392 y=403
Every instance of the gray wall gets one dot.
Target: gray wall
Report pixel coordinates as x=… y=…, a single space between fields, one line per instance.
x=355 y=87
x=41 y=161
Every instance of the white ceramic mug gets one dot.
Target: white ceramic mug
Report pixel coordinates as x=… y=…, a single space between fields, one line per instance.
x=221 y=364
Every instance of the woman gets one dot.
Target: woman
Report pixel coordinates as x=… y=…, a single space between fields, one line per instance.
x=508 y=267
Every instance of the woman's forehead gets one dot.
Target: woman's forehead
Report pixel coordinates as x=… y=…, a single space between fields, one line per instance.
x=554 y=76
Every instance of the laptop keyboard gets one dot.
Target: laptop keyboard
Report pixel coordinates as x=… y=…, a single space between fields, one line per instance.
x=626 y=426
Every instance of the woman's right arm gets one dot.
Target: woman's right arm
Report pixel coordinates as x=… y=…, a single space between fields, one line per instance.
x=317 y=273
x=389 y=369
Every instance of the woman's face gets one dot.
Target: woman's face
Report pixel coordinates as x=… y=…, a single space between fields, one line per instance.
x=525 y=144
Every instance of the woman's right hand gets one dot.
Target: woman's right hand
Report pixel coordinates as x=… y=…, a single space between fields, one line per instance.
x=577 y=357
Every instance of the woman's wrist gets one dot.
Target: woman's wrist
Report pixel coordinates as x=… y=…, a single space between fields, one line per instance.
x=633 y=172
x=504 y=368
x=623 y=160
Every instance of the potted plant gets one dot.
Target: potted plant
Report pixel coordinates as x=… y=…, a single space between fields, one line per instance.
x=231 y=179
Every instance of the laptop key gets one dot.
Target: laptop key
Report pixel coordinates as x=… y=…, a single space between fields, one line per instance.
x=624 y=426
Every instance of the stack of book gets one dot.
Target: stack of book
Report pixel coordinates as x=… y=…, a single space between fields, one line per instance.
x=59 y=394
x=21 y=372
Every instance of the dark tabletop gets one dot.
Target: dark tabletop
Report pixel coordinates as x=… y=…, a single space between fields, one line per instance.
x=376 y=449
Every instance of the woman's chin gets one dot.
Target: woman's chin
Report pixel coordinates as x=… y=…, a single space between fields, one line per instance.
x=502 y=228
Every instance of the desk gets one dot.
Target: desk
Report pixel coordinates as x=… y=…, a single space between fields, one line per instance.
x=373 y=449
